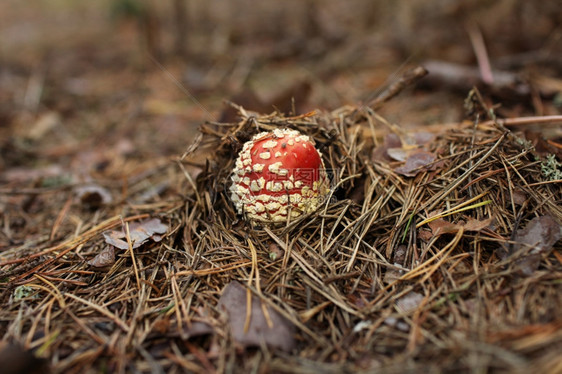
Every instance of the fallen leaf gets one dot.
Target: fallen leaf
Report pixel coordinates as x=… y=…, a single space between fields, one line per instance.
x=440 y=226
x=476 y=225
x=541 y=145
x=93 y=196
x=519 y=196
x=279 y=335
x=104 y=259
x=422 y=137
x=400 y=148
x=416 y=163
x=380 y=153
x=425 y=235
x=399 y=154
x=409 y=302
x=540 y=235
x=140 y=233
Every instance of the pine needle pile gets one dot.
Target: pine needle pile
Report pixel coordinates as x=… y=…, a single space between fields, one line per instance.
x=433 y=252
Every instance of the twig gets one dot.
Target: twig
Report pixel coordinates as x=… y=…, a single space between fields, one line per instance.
x=481 y=53
x=520 y=121
x=409 y=78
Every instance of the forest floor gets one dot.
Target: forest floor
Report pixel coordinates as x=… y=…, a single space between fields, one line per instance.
x=439 y=249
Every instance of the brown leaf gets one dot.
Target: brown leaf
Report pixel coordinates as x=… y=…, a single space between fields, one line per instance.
x=409 y=302
x=411 y=140
x=422 y=137
x=540 y=235
x=380 y=153
x=476 y=225
x=542 y=146
x=94 y=196
x=440 y=226
x=416 y=163
x=140 y=233
x=233 y=302
x=425 y=235
x=104 y=259
x=519 y=196
x=399 y=154
x=399 y=149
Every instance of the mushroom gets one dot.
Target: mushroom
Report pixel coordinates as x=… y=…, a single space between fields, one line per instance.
x=278 y=174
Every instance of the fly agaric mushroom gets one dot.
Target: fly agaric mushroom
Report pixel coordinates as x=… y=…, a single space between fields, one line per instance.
x=277 y=175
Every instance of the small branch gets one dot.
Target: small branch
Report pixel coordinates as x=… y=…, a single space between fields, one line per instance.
x=409 y=78
x=479 y=46
x=524 y=120
x=464 y=77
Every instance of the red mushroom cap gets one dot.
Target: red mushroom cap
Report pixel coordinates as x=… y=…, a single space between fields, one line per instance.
x=277 y=174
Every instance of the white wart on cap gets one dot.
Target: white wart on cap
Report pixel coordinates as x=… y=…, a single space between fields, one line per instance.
x=278 y=174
